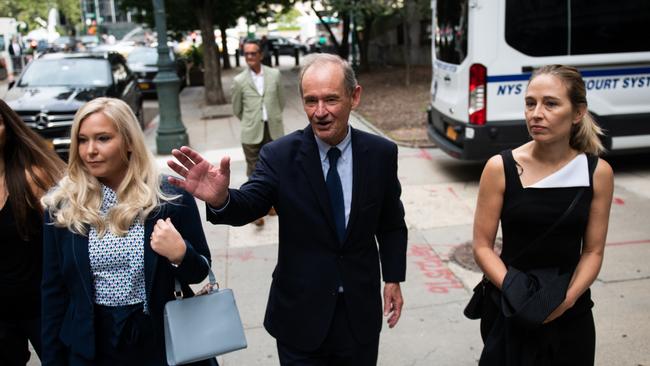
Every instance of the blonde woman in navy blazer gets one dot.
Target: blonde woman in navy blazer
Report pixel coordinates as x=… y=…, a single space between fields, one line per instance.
x=115 y=238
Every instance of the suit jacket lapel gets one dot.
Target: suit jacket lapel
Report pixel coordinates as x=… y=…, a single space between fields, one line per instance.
x=359 y=164
x=309 y=159
x=250 y=81
x=82 y=261
x=150 y=257
x=267 y=79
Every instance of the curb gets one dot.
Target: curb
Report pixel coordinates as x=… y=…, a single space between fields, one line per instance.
x=370 y=126
x=379 y=132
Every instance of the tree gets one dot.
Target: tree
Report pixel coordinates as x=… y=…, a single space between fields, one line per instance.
x=28 y=10
x=184 y=15
x=365 y=14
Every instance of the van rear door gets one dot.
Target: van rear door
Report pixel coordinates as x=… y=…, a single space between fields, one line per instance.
x=448 y=94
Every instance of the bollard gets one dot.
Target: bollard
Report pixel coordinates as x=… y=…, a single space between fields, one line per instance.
x=296 y=54
x=237 y=57
x=276 y=53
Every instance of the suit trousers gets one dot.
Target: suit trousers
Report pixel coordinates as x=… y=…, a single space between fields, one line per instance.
x=252 y=151
x=14 y=349
x=340 y=347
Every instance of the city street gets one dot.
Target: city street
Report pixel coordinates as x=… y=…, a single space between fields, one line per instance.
x=439 y=194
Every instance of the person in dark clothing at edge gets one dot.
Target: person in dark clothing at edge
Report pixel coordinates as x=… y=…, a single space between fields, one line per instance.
x=527 y=189
x=28 y=168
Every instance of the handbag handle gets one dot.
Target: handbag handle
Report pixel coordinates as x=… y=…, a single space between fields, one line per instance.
x=212 y=282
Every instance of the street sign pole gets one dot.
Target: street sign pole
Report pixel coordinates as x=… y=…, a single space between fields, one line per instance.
x=171 y=131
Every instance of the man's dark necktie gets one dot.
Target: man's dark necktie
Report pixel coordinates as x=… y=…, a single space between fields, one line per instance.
x=335 y=190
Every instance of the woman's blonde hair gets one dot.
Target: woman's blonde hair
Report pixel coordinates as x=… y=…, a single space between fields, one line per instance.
x=585 y=134
x=76 y=201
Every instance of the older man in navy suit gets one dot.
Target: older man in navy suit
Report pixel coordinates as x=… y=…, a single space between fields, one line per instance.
x=337 y=196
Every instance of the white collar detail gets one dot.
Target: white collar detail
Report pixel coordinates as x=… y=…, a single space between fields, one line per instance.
x=573 y=174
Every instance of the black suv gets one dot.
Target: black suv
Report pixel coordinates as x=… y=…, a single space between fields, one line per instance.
x=53 y=87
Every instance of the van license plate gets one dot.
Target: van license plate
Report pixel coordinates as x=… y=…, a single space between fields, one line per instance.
x=451 y=133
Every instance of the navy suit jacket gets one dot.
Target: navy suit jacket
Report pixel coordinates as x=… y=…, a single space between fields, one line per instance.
x=67 y=288
x=312 y=262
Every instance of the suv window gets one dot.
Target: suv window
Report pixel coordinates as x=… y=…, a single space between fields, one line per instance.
x=451 y=30
x=577 y=27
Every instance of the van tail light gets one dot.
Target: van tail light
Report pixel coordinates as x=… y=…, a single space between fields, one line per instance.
x=477 y=94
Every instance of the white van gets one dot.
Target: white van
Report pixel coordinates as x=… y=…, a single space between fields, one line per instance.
x=485 y=50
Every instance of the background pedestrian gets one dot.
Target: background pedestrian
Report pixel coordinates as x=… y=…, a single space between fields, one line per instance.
x=258 y=101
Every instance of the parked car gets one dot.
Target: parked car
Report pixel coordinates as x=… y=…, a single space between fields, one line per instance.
x=53 y=87
x=286 y=46
x=143 y=61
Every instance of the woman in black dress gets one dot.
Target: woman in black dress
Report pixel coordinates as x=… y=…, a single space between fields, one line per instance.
x=528 y=189
x=28 y=168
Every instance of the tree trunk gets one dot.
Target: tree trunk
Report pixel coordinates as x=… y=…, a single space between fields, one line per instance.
x=344 y=50
x=407 y=43
x=364 y=41
x=212 y=74
x=327 y=26
x=224 y=47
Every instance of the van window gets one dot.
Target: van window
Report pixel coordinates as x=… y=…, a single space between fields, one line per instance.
x=537 y=27
x=606 y=26
x=451 y=30
x=577 y=27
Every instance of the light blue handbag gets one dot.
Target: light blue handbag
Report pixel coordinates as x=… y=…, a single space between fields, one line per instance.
x=203 y=326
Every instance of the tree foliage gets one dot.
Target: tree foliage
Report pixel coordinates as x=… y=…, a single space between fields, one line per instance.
x=365 y=13
x=183 y=16
x=28 y=10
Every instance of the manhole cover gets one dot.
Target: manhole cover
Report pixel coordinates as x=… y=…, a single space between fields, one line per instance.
x=463 y=256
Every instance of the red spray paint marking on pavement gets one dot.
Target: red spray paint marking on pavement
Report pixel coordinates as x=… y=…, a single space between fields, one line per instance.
x=421 y=154
x=424 y=155
x=618 y=201
x=441 y=279
x=242 y=256
x=631 y=242
x=451 y=190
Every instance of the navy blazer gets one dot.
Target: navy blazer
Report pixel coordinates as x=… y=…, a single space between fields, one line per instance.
x=311 y=260
x=67 y=288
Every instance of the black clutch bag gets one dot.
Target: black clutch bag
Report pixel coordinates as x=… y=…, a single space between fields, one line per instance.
x=474 y=308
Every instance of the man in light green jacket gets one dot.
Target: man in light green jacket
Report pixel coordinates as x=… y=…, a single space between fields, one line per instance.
x=257 y=101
